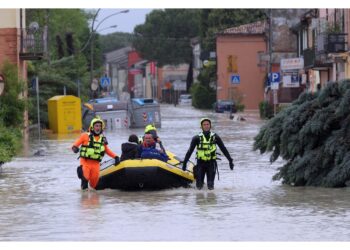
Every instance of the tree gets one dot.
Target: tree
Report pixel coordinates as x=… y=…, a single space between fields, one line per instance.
x=215 y=20
x=203 y=95
x=313 y=137
x=114 y=41
x=68 y=62
x=165 y=36
x=11 y=113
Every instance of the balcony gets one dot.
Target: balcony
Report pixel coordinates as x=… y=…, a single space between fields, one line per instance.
x=33 y=44
x=332 y=43
x=309 y=58
x=315 y=60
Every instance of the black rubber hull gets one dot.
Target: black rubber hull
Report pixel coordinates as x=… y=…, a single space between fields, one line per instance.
x=142 y=178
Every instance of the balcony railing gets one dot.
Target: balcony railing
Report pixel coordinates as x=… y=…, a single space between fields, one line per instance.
x=309 y=58
x=332 y=43
x=33 y=44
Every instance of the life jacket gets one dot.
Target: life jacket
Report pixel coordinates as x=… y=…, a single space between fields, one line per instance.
x=95 y=150
x=206 y=149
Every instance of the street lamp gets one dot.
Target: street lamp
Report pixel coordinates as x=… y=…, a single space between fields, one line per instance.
x=92 y=37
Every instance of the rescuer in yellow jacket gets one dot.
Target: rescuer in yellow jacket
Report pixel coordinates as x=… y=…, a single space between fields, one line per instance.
x=93 y=146
x=206 y=142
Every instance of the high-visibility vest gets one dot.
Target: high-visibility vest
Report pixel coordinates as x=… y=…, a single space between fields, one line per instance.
x=206 y=149
x=95 y=150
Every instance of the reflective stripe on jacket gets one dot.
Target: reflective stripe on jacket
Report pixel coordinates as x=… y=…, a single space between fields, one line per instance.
x=206 y=149
x=95 y=149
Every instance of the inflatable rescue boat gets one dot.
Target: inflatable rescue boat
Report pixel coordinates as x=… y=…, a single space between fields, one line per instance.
x=146 y=174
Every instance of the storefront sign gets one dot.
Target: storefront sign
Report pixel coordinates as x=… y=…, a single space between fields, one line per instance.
x=291 y=81
x=292 y=64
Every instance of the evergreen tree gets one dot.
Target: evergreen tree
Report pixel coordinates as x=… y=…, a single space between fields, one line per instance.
x=313 y=136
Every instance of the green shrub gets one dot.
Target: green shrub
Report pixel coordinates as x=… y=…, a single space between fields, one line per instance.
x=11 y=113
x=203 y=97
x=265 y=110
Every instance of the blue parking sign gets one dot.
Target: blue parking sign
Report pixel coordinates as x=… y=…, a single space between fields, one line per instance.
x=105 y=81
x=235 y=79
x=274 y=77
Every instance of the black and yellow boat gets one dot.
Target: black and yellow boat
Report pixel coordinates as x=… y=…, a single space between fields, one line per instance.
x=146 y=174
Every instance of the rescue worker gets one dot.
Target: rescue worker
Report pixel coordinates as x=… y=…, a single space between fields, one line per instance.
x=93 y=145
x=206 y=142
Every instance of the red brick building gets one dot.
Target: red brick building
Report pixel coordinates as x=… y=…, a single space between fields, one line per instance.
x=10 y=38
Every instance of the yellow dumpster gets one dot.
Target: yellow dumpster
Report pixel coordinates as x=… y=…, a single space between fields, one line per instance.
x=64 y=113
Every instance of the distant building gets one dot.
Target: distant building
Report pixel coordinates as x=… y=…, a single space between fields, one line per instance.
x=116 y=63
x=248 y=53
x=240 y=77
x=11 y=21
x=323 y=42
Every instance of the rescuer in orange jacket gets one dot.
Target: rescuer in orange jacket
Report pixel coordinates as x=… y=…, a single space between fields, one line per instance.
x=93 y=145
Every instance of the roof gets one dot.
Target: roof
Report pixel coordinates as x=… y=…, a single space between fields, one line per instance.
x=119 y=56
x=255 y=28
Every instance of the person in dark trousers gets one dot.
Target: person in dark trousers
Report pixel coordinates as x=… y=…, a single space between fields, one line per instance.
x=206 y=142
x=130 y=149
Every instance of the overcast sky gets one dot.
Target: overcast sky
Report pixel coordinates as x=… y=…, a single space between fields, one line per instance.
x=125 y=21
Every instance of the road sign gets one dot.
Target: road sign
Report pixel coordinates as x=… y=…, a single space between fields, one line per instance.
x=275 y=85
x=94 y=84
x=274 y=77
x=235 y=79
x=105 y=81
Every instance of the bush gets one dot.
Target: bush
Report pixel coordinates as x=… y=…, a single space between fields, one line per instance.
x=265 y=110
x=203 y=97
x=11 y=113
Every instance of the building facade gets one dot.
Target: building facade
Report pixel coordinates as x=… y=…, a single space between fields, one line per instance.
x=240 y=76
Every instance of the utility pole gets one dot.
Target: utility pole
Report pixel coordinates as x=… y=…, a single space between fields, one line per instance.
x=46 y=37
x=274 y=91
x=92 y=49
x=92 y=37
x=37 y=105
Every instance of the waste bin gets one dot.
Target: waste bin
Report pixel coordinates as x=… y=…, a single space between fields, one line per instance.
x=144 y=111
x=64 y=113
x=113 y=112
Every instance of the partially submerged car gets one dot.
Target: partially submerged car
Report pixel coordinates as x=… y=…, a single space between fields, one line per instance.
x=185 y=99
x=222 y=106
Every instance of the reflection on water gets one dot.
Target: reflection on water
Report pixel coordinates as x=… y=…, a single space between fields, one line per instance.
x=41 y=198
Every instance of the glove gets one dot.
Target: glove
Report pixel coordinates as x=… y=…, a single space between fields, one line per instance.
x=75 y=149
x=231 y=165
x=184 y=166
x=117 y=160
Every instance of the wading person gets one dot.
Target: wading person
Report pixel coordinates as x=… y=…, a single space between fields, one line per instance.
x=93 y=146
x=206 y=142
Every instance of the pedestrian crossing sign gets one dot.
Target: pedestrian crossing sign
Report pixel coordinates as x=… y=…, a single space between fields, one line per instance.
x=105 y=81
x=235 y=79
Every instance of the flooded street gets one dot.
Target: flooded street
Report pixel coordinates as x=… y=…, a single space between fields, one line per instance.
x=41 y=198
